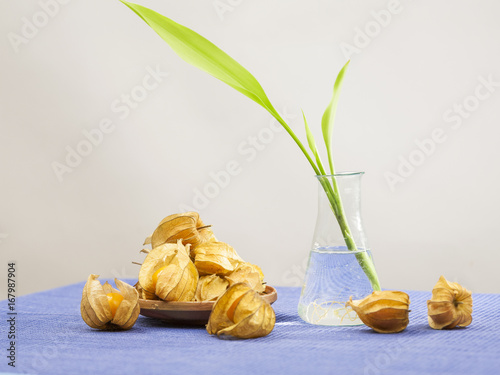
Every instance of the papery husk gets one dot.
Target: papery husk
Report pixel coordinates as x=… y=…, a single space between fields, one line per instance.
x=206 y=234
x=383 y=311
x=247 y=273
x=147 y=295
x=143 y=293
x=158 y=257
x=95 y=309
x=186 y=226
x=241 y=313
x=258 y=269
x=210 y=288
x=108 y=288
x=450 y=305
x=177 y=227
x=215 y=258
x=177 y=282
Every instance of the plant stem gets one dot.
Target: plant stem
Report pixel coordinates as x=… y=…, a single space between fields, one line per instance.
x=297 y=140
x=363 y=258
x=333 y=195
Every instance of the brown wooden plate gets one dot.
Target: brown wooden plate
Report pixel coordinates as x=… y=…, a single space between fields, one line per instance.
x=193 y=313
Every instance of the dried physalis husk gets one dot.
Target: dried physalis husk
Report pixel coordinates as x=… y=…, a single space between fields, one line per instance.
x=144 y=294
x=215 y=258
x=187 y=227
x=156 y=258
x=206 y=234
x=247 y=273
x=384 y=311
x=104 y=307
x=147 y=295
x=205 y=231
x=177 y=227
x=449 y=306
x=210 y=288
x=177 y=281
x=241 y=313
x=169 y=273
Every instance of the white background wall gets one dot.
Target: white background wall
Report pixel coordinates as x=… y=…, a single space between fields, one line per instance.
x=63 y=79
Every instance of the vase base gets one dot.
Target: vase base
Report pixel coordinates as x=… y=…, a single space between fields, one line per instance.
x=329 y=313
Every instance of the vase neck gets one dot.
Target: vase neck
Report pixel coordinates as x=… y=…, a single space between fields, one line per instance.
x=347 y=188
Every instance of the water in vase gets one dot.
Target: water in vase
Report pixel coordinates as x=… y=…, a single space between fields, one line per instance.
x=333 y=275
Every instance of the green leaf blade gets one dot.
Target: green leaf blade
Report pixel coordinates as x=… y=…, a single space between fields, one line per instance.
x=312 y=145
x=328 y=118
x=203 y=54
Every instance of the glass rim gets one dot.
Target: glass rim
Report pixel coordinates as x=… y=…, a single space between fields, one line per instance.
x=341 y=174
x=344 y=250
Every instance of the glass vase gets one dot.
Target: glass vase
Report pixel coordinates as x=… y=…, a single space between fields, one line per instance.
x=340 y=262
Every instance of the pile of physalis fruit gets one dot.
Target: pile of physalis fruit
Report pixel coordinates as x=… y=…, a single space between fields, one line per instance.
x=186 y=263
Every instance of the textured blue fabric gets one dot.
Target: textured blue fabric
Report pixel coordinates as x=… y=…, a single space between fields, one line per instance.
x=53 y=339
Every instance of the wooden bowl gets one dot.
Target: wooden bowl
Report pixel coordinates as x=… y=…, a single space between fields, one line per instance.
x=193 y=313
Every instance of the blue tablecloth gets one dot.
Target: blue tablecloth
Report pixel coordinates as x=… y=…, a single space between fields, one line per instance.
x=53 y=339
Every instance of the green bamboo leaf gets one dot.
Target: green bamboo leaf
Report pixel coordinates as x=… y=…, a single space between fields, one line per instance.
x=329 y=115
x=312 y=145
x=203 y=54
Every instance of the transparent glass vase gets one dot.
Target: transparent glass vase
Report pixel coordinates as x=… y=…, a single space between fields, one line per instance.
x=340 y=262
